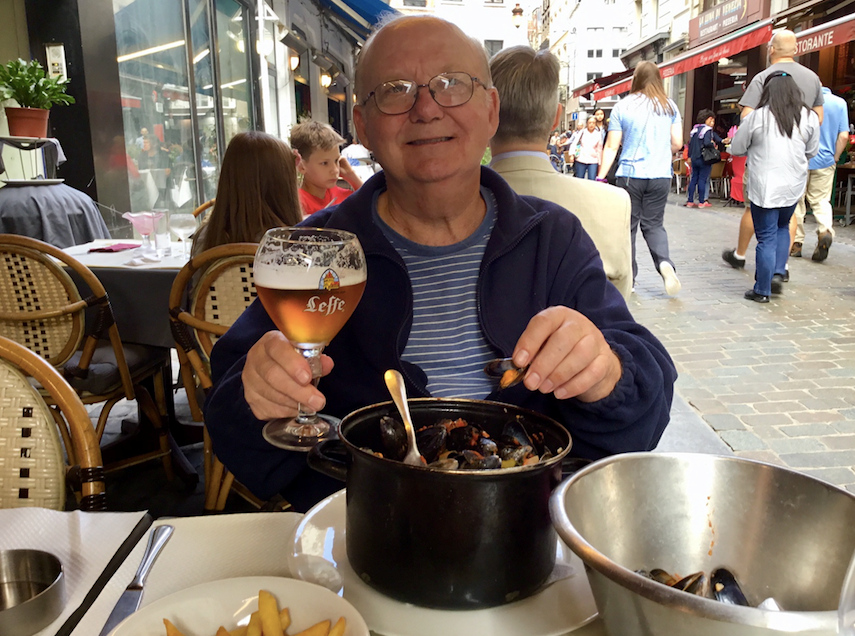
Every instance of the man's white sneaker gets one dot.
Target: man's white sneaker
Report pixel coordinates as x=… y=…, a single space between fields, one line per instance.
x=672 y=283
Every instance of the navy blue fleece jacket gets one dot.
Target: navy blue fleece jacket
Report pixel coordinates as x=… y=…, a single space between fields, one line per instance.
x=538 y=256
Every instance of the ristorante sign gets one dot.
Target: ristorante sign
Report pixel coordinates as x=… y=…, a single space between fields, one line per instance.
x=831 y=34
x=723 y=18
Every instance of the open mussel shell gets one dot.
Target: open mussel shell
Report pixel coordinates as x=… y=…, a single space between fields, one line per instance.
x=506 y=370
x=726 y=589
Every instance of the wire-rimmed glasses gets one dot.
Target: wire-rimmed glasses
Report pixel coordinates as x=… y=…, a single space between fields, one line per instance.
x=309 y=281
x=398 y=96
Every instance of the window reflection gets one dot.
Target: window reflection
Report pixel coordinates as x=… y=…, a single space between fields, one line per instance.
x=157 y=151
x=233 y=37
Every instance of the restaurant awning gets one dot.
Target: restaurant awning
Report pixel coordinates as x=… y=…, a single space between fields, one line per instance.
x=832 y=33
x=588 y=87
x=360 y=15
x=727 y=46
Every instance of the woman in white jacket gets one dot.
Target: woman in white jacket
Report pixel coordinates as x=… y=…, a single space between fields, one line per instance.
x=779 y=139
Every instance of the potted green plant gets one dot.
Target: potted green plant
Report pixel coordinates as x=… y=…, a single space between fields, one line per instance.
x=28 y=84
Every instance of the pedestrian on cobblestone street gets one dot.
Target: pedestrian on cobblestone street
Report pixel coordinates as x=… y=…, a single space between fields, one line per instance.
x=779 y=139
x=649 y=128
x=833 y=139
x=702 y=136
x=782 y=49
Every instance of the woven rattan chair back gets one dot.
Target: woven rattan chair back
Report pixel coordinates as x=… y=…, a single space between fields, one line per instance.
x=42 y=310
x=40 y=306
x=224 y=289
x=32 y=470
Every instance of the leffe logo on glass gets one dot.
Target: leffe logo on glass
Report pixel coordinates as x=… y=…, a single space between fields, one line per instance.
x=329 y=282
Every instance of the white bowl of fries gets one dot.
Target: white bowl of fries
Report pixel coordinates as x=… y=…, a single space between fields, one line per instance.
x=248 y=606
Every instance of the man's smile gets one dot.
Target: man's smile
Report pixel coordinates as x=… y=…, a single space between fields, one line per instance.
x=425 y=142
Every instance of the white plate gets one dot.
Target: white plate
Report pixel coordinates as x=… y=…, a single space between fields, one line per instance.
x=318 y=554
x=201 y=609
x=17 y=183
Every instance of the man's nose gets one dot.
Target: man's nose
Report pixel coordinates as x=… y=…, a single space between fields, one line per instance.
x=425 y=108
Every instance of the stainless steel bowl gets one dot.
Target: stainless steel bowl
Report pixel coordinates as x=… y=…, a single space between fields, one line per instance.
x=32 y=591
x=785 y=535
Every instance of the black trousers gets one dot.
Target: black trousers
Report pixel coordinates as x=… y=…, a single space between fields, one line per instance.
x=648 y=198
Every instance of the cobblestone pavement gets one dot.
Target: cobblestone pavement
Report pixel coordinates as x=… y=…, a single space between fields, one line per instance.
x=776 y=382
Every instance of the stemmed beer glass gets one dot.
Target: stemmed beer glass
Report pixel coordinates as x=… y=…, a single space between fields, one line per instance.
x=309 y=281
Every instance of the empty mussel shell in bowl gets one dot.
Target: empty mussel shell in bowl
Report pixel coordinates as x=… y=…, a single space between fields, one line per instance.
x=32 y=591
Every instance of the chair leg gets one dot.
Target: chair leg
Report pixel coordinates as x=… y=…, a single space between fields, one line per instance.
x=212 y=487
x=149 y=408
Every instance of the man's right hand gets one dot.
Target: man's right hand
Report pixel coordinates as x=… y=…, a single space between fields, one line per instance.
x=277 y=378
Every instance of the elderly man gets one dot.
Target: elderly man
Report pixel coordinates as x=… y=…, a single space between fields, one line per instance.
x=460 y=270
x=527 y=81
x=782 y=48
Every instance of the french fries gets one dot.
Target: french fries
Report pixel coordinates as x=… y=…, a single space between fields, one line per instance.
x=269 y=620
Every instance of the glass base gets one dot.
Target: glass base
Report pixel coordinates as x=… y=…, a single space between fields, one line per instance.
x=277 y=433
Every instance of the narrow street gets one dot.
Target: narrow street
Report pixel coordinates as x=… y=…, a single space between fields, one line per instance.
x=776 y=382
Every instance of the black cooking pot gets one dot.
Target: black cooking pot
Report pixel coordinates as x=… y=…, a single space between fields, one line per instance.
x=462 y=539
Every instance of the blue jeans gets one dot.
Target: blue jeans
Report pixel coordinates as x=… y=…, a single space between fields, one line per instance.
x=771 y=227
x=700 y=173
x=586 y=170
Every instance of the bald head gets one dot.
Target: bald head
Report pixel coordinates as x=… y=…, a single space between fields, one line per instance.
x=782 y=45
x=404 y=26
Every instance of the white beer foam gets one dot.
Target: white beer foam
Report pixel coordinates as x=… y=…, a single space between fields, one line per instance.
x=289 y=278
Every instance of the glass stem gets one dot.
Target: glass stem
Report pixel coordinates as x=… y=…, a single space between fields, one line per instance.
x=305 y=414
x=183 y=248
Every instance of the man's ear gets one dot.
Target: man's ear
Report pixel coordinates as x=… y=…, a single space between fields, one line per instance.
x=558 y=112
x=359 y=124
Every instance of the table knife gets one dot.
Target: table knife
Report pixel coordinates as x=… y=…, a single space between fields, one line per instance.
x=129 y=601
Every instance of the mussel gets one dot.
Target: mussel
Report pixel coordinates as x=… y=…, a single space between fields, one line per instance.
x=726 y=588
x=508 y=373
x=394 y=438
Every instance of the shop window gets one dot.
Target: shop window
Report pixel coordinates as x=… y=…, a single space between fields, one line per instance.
x=493 y=46
x=156 y=154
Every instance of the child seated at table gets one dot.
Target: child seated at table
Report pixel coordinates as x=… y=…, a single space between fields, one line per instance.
x=257 y=191
x=320 y=166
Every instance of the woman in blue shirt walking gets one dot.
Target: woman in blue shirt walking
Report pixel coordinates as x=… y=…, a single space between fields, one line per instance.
x=645 y=123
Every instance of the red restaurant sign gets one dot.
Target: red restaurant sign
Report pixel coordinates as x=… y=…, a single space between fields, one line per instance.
x=723 y=18
x=830 y=34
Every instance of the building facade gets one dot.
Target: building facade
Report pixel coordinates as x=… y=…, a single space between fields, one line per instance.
x=161 y=86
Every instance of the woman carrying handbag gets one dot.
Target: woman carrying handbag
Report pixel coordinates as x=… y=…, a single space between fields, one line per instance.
x=705 y=148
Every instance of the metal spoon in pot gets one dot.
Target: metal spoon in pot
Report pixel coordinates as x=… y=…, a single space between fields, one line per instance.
x=395 y=384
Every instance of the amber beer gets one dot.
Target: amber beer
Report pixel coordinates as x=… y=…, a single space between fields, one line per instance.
x=310 y=316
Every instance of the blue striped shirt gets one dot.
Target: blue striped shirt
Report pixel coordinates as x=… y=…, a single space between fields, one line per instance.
x=446 y=341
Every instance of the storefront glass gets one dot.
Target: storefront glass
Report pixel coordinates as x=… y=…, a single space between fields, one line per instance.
x=157 y=149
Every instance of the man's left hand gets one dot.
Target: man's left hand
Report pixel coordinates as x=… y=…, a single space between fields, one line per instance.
x=568 y=356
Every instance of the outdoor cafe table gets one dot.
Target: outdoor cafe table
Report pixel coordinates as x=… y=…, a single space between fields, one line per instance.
x=139 y=294
x=201 y=549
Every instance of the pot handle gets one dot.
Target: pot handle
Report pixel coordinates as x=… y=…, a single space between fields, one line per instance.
x=327 y=457
x=572 y=465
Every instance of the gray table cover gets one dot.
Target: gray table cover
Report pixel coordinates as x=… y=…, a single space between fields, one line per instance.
x=56 y=214
x=140 y=301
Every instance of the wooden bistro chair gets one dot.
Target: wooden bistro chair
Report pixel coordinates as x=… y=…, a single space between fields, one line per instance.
x=201 y=210
x=220 y=287
x=42 y=309
x=32 y=470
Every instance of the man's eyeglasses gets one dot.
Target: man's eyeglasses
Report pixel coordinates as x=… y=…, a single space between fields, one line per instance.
x=397 y=97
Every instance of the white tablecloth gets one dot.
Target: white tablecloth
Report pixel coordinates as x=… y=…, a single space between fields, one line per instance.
x=211 y=548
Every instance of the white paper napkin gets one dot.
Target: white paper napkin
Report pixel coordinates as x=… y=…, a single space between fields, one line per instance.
x=201 y=549
x=84 y=542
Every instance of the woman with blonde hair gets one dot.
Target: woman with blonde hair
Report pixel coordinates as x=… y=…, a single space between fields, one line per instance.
x=649 y=128
x=257 y=191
